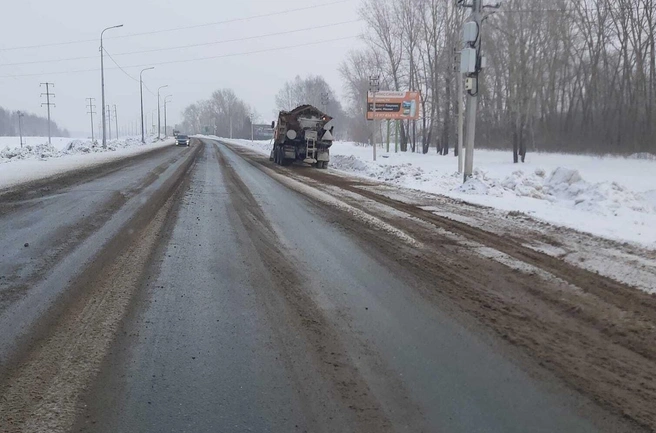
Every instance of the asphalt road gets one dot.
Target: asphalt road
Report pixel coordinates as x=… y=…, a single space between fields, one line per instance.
x=50 y=236
x=194 y=291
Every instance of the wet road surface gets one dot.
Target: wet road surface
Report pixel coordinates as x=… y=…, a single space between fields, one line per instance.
x=246 y=305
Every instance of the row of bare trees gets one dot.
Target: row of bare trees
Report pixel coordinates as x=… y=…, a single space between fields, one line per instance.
x=561 y=75
x=223 y=114
x=313 y=90
x=32 y=125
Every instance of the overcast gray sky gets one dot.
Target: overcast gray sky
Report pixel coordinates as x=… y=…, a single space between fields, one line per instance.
x=256 y=78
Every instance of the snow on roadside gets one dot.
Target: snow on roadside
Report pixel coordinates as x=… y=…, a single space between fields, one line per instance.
x=57 y=142
x=39 y=161
x=44 y=150
x=612 y=197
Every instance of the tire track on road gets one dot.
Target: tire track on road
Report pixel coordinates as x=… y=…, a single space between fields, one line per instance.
x=43 y=384
x=331 y=359
x=592 y=332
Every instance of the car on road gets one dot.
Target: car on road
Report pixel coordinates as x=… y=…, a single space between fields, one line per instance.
x=182 y=140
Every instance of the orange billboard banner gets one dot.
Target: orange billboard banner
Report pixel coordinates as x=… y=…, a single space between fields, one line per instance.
x=392 y=105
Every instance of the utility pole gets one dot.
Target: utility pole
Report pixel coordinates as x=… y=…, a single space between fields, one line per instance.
x=471 y=55
x=471 y=64
x=374 y=87
x=116 y=120
x=102 y=81
x=20 y=127
x=230 y=118
x=461 y=108
x=90 y=107
x=143 y=139
x=109 y=122
x=461 y=122
x=159 y=127
x=165 y=128
x=48 y=104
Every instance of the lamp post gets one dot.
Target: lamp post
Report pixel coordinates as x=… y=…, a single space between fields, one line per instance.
x=159 y=128
x=102 y=81
x=143 y=138
x=165 y=129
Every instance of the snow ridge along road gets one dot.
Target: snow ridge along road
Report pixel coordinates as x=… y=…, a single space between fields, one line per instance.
x=64 y=293
x=223 y=293
x=611 y=196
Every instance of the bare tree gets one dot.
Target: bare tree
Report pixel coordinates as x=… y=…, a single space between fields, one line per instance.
x=312 y=90
x=33 y=125
x=561 y=75
x=222 y=114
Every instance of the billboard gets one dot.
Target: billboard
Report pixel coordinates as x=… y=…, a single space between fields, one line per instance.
x=392 y=105
x=262 y=131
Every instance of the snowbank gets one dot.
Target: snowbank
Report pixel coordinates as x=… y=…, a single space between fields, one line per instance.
x=38 y=161
x=43 y=151
x=613 y=197
x=57 y=142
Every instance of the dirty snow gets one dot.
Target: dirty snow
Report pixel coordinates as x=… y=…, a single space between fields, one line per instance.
x=11 y=142
x=38 y=159
x=609 y=196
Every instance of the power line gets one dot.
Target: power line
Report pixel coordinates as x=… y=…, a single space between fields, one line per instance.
x=233 y=20
x=178 y=47
x=119 y=66
x=123 y=70
x=191 y=60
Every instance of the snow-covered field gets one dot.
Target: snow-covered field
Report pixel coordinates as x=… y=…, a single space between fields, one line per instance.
x=613 y=197
x=12 y=142
x=37 y=159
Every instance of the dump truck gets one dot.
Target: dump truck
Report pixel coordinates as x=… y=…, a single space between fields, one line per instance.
x=301 y=135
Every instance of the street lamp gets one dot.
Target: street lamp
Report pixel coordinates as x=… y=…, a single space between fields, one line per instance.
x=143 y=139
x=159 y=128
x=102 y=81
x=165 y=129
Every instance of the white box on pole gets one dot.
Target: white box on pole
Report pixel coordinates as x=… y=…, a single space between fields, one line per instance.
x=468 y=61
x=470 y=32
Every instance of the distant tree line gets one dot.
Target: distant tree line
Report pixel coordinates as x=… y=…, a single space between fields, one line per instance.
x=314 y=90
x=218 y=115
x=33 y=125
x=215 y=114
x=561 y=75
